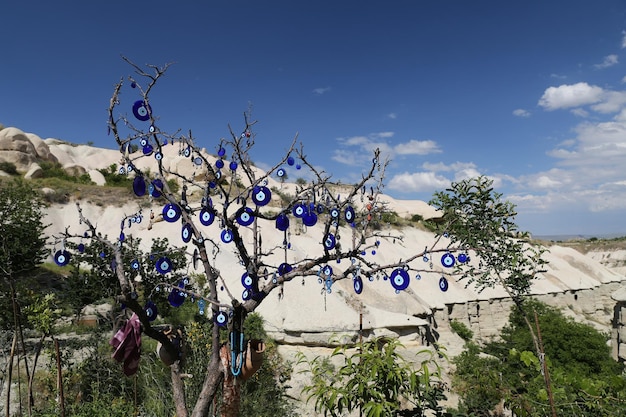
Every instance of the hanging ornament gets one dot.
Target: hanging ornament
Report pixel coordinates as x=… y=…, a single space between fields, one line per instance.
x=186 y=232
x=399 y=279
x=447 y=260
x=163 y=265
x=261 y=195
x=245 y=216
x=207 y=216
x=141 y=110
x=171 y=212
x=358 y=284
x=62 y=257
x=282 y=222
x=443 y=284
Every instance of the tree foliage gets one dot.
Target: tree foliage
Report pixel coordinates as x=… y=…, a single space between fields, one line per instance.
x=585 y=380
x=476 y=218
x=22 y=240
x=375 y=379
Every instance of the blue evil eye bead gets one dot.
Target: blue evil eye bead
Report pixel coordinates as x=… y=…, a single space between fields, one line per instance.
x=201 y=307
x=447 y=260
x=133 y=85
x=284 y=268
x=152 y=129
x=220 y=318
x=309 y=218
x=187 y=152
x=226 y=236
x=329 y=242
x=246 y=294
x=290 y=161
x=176 y=297
x=298 y=166
x=261 y=195
x=81 y=247
x=141 y=110
x=221 y=152
x=157 y=186
x=358 y=285
x=320 y=208
x=206 y=216
x=443 y=284
x=334 y=213
x=122 y=237
x=147 y=150
x=163 y=265
x=121 y=170
x=399 y=279
x=139 y=186
x=62 y=257
x=245 y=216
x=349 y=214
x=219 y=164
x=282 y=222
x=197 y=161
x=299 y=210
x=186 y=233
x=143 y=142
x=151 y=310
x=158 y=156
x=233 y=166
x=280 y=172
x=327 y=270
x=171 y=213
x=134 y=264
x=246 y=280
x=463 y=258
x=130 y=168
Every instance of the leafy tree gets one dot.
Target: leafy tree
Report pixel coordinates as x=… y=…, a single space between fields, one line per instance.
x=22 y=249
x=476 y=218
x=585 y=380
x=375 y=379
x=237 y=198
x=22 y=240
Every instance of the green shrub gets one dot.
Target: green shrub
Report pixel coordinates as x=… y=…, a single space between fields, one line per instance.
x=462 y=330
x=9 y=168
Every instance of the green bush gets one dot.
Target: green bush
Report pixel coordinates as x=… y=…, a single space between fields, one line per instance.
x=462 y=330
x=9 y=168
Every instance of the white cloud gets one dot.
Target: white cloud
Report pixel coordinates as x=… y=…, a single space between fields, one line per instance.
x=321 y=90
x=608 y=61
x=570 y=95
x=624 y=79
x=558 y=77
x=521 y=113
x=392 y=116
x=580 y=112
x=623 y=39
x=362 y=147
x=612 y=102
x=417 y=147
x=418 y=182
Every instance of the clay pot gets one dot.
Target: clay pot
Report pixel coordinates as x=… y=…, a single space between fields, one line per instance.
x=254 y=358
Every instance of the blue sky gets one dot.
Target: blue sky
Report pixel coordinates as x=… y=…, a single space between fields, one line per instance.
x=529 y=93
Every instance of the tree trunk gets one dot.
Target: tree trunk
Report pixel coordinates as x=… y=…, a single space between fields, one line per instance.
x=231 y=393
x=178 y=390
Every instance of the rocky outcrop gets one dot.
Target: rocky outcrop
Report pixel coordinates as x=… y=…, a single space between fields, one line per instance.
x=22 y=149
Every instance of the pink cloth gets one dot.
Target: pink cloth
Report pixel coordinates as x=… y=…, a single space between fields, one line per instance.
x=127 y=344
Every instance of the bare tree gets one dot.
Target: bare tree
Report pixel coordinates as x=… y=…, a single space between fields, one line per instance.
x=237 y=197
